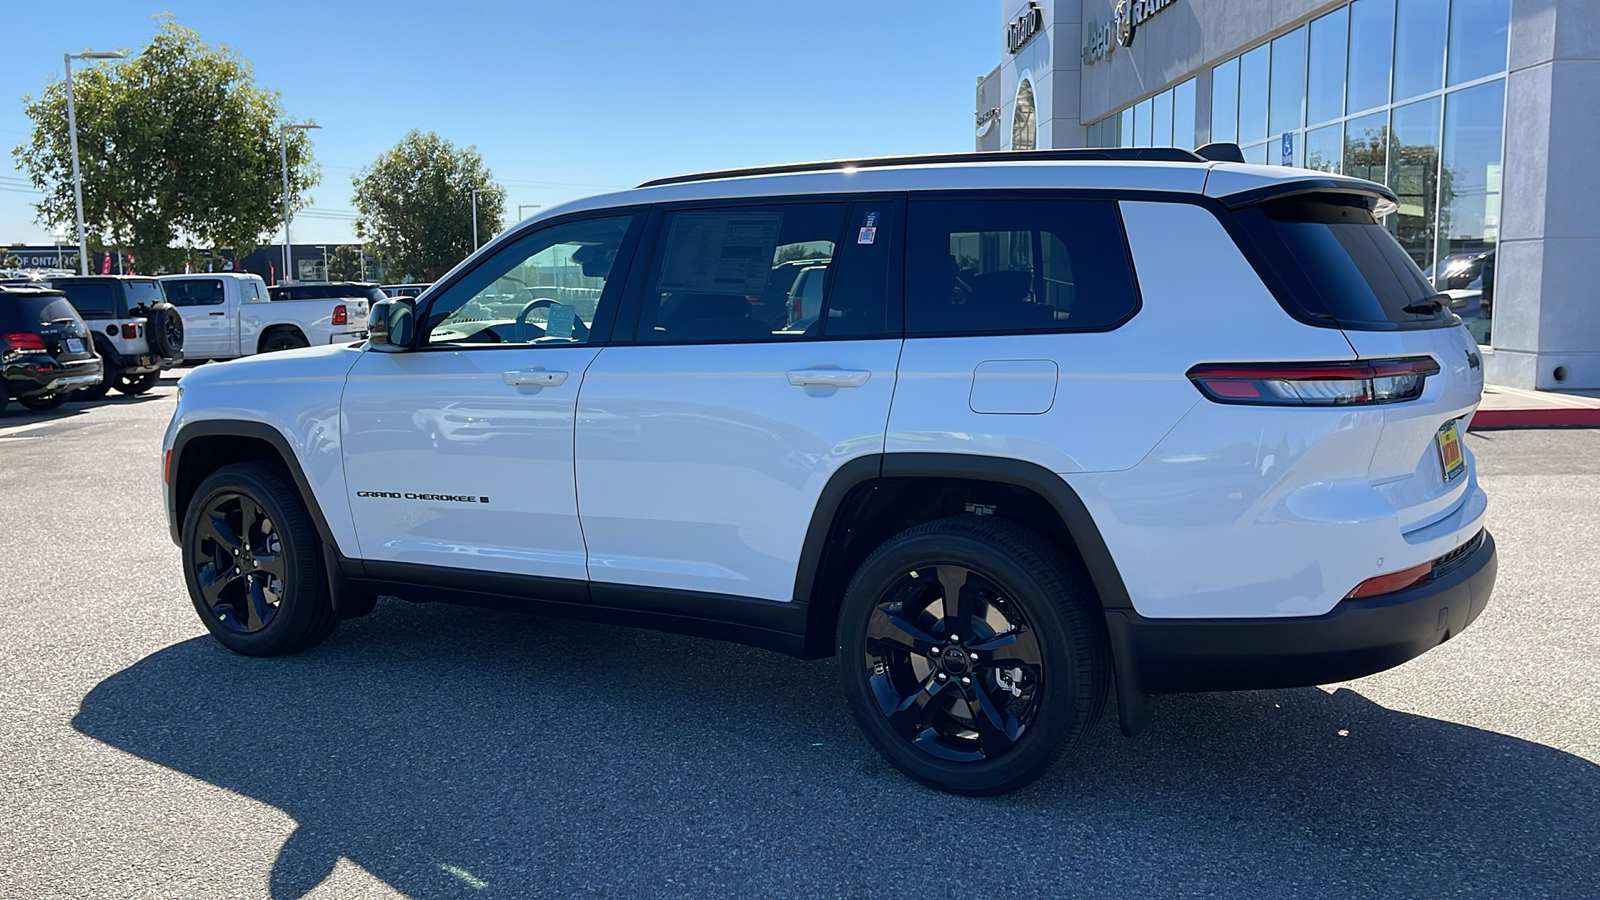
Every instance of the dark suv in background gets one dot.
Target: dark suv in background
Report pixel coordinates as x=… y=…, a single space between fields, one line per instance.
x=45 y=349
x=328 y=290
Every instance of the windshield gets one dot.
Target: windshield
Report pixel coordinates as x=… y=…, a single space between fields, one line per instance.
x=1337 y=264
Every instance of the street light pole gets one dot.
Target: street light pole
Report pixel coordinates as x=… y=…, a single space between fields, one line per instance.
x=283 y=146
x=523 y=206
x=72 y=132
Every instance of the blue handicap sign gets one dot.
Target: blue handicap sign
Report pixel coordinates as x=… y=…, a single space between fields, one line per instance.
x=1288 y=148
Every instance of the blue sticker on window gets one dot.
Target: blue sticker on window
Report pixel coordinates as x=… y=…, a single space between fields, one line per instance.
x=872 y=219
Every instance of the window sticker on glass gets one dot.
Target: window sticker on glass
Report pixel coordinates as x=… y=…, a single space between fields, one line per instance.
x=867 y=236
x=871 y=220
x=559 y=325
x=720 y=252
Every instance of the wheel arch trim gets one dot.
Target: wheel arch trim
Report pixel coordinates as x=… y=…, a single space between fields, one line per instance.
x=237 y=428
x=1053 y=488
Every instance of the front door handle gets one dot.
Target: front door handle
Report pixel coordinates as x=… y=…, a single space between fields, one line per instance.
x=216 y=314
x=829 y=377
x=535 y=378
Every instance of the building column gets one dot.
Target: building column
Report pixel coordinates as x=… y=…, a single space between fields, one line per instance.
x=1547 y=285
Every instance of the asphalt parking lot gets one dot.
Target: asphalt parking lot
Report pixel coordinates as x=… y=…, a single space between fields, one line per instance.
x=435 y=751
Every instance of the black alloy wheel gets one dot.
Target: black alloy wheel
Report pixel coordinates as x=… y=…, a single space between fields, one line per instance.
x=239 y=562
x=43 y=402
x=953 y=664
x=973 y=653
x=134 y=385
x=252 y=561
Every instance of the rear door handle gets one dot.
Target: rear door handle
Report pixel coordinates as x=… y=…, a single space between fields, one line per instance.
x=216 y=314
x=536 y=378
x=829 y=377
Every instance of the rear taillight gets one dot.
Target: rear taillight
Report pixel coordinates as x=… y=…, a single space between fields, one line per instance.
x=794 y=309
x=1366 y=381
x=130 y=331
x=25 y=342
x=341 y=316
x=1388 y=584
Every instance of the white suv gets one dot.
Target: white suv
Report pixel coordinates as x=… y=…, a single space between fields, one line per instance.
x=1065 y=420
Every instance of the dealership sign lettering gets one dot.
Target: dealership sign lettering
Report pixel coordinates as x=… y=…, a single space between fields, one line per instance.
x=1022 y=29
x=1102 y=39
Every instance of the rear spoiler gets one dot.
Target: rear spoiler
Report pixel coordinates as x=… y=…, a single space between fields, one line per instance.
x=1380 y=199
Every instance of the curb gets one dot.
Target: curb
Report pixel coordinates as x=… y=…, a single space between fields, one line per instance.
x=1546 y=417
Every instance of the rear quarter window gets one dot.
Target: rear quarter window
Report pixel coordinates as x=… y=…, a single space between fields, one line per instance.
x=1332 y=263
x=144 y=293
x=195 y=292
x=991 y=265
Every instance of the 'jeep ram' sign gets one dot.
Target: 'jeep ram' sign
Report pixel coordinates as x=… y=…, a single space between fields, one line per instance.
x=1119 y=32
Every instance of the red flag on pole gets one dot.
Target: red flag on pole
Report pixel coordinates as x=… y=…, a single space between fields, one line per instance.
x=105 y=264
x=272 y=274
x=130 y=265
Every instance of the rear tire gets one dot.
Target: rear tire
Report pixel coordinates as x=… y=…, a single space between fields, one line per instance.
x=134 y=385
x=283 y=339
x=43 y=402
x=252 y=560
x=983 y=695
x=92 y=392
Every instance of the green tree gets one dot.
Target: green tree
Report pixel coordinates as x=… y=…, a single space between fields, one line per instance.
x=177 y=145
x=344 y=264
x=415 y=205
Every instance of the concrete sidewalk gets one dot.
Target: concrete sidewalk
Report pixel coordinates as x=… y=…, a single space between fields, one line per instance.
x=1508 y=407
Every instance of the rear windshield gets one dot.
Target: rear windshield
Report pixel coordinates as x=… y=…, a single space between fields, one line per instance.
x=195 y=292
x=371 y=294
x=92 y=300
x=144 y=293
x=1337 y=265
x=26 y=312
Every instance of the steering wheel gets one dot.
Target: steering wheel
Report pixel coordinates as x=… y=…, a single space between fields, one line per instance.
x=580 y=331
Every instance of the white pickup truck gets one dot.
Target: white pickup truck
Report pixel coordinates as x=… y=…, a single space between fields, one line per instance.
x=230 y=314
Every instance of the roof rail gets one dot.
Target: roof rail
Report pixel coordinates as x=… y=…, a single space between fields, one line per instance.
x=1126 y=154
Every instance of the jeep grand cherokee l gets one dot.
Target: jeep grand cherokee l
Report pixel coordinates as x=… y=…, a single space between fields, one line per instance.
x=1063 y=422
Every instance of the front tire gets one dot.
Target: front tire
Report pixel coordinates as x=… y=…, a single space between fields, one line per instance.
x=252 y=561
x=972 y=654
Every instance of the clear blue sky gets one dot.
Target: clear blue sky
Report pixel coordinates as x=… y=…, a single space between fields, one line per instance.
x=562 y=99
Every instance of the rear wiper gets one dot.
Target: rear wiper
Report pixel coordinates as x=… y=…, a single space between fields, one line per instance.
x=1426 y=307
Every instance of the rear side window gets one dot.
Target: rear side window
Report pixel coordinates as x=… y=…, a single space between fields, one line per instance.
x=741 y=274
x=1337 y=265
x=92 y=301
x=29 y=311
x=195 y=292
x=996 y=265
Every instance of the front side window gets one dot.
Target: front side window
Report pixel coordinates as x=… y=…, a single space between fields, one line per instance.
x=757 y=273
x=541 y=289
x=991 y=266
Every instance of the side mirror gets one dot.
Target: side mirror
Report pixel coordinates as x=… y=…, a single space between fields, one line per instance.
x=391 y=324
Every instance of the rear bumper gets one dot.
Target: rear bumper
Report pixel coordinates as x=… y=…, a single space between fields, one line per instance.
x=1359 y=637
x=27 y=380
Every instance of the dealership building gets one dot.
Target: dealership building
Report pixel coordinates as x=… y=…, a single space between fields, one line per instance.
x=1483 y=116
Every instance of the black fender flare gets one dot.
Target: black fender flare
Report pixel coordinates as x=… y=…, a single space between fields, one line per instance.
x=1047 y=484
x=340 y=568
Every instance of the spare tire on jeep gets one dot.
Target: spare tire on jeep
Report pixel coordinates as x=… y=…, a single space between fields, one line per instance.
x=164 y=329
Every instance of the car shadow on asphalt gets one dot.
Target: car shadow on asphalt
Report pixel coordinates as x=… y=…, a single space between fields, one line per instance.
x=474 y=753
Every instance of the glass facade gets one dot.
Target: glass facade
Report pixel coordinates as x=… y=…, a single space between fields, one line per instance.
x=1165 y=120
x=1407 y=93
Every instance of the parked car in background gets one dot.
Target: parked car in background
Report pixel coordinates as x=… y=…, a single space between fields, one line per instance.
x=406 y=290
x=1468 y=280
x=137 y=333
x=45 y=349
x=229 y=314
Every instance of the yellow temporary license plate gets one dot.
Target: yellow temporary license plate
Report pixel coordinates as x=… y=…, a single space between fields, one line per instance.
x=1448 y=440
